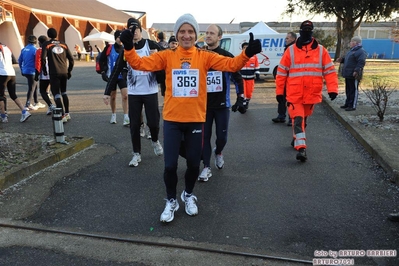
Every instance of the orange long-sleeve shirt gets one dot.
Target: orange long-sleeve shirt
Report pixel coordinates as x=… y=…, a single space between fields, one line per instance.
x=180 y=60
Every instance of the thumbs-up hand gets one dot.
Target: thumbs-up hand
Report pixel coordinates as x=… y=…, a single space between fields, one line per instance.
x=254 y=46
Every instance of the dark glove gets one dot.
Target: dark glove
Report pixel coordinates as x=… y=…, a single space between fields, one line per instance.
x=332 y=95
x=242 y=109
x=44 y=72
x=280 y=98
x=36 y=78
x=104 y=76
x=126 y=38
x=254 y=46
x=69 y=75
x=239 y=105
x=234 y=108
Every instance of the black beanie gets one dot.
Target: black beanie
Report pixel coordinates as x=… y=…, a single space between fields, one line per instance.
x=117 y=33
x=42 y=39
x=172 y=39
x=134 y=22
x=52 y=33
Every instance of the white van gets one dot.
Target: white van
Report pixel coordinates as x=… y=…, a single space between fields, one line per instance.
x=272 y=49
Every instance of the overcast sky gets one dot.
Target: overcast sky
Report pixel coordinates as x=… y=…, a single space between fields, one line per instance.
x=218 y=11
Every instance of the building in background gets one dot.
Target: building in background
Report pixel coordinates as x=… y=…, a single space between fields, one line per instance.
x=73 y=20
x=77 y=19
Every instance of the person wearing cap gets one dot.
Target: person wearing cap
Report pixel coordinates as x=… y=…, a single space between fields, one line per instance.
x=352 y=70
x=142 y=91
x=300 y=74
x=218 y=104
x=107 y=65
x=282 y=104
x=184 y=110
x=60 y=64
x=172 y=43
x=8 y=81
x=26 y=62
x=44 y=84
x=248 y=73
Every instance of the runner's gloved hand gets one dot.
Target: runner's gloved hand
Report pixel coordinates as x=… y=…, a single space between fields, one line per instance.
x=254 y=46
x=44 y=72
x=126 y=38
x=332 y=95
x=104 y=76
x=69 y=75
x=239 y=105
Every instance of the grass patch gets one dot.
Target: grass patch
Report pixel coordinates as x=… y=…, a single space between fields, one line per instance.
x=381 y=70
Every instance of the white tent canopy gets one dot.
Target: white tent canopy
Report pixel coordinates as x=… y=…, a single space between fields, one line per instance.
x=100 y=36
x=260 y=28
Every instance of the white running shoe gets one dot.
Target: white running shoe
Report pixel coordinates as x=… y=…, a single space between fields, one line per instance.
x=219 y=162
x=25 y=116
x=113 y=119
x=50 y=110
x=39 y=105
x=126 y=121
x=158 y=150
x=190 y=202
x=169 y=212
x=4 y=119
x=31 y=107
x=66 y=118
x=205 y=174
x=135 y=160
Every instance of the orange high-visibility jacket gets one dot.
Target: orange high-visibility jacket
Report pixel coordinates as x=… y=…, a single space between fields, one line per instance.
x=302 y=69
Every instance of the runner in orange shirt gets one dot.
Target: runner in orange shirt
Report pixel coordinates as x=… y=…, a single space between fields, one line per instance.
x=185 y=102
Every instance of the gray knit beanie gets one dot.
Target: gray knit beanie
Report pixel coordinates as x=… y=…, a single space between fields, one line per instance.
x=357 y=39
x=186 y=18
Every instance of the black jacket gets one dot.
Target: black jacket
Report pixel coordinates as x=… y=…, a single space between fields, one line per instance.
x=60 y=59
x=222 y=99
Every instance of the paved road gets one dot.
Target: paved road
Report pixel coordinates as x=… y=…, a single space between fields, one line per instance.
x=263 y=202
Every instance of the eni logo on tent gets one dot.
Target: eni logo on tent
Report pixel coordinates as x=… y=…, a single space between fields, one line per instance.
x=269 y=43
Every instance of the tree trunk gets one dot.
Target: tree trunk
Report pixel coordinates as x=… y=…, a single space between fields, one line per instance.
x=339 y=39
x=348 y=31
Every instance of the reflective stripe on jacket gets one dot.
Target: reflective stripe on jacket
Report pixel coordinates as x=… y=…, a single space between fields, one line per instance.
x=306 y=65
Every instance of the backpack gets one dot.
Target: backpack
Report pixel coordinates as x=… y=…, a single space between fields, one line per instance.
x=100 y=66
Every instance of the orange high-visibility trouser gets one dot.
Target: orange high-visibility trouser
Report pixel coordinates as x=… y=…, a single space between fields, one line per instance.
x=299 y=113
x=249 y=85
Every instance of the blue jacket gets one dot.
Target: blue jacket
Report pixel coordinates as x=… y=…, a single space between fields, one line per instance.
x=354 y=61
x=26 y=60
